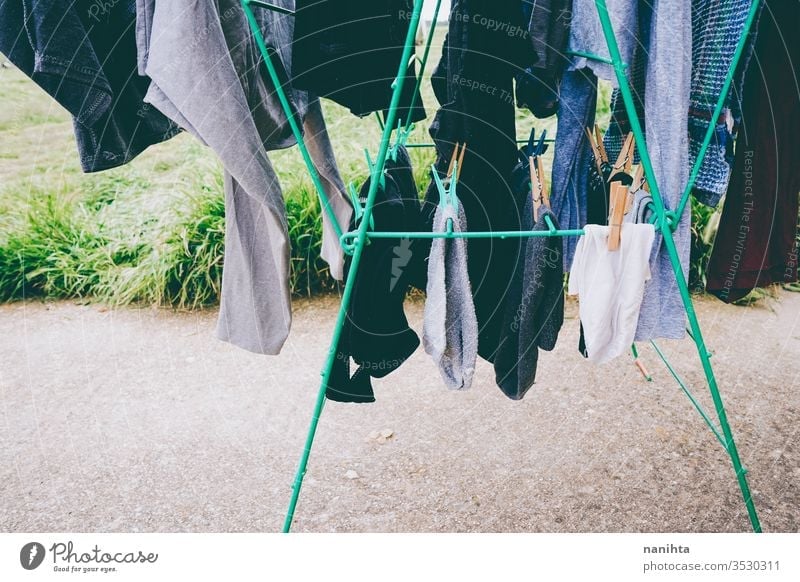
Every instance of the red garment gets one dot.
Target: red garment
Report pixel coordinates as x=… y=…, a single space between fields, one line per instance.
x=757 y=240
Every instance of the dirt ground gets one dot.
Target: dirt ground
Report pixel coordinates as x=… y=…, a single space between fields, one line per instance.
x=138 y=420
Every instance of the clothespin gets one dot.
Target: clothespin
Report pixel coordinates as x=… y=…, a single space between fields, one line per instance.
x=600 y=145
x=447 y=191
x=536 y=188
x=401 y=138
x=456 y=157
x=539 y=191
x=371 y=166
x=639 y=180
x=447 y=187
x=358 y=208
x=534 y=148
x=617 y=202
x=622 y=167
x=542 y=182
x=595 y=151
x=541 y=147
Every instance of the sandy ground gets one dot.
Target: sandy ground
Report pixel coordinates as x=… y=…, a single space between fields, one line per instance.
x=139 y=420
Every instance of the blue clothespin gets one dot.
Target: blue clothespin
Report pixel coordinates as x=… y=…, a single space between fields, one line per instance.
x=541 y=147
x=532 y=148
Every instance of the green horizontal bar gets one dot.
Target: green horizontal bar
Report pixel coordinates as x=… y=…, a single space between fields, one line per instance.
x=696 y=404
x=432 y=145
x=269 y=6
x=594 y=57
x=486 y=234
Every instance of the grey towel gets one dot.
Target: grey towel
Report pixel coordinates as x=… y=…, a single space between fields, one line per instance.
x=450 y=328
x=534 y=308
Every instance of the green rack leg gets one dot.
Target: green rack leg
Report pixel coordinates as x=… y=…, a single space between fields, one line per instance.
x=666 y=229
x=362 y=229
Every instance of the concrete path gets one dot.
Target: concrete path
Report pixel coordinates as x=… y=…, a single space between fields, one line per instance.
x=139 y=420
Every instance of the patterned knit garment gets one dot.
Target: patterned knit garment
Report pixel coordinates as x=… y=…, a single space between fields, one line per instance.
x=717 y=26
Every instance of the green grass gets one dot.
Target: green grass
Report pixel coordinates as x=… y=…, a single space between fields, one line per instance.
x=153 y=231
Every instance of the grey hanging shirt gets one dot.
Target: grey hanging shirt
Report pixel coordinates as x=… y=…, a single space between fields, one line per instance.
x=663 y=29
x=208 y=76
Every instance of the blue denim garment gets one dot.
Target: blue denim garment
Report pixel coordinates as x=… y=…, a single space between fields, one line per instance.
x=568 y=196
x=83 y=53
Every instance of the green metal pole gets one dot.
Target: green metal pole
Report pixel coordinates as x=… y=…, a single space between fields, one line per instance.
x=477 y=234
x=351 y=276
x=666 y=230
x=287 y=108
x=726 y=87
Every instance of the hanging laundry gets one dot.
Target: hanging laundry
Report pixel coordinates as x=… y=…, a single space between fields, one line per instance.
x=573 y=154
x=756 y=244
x=450 y=329
x=83 y=54
x=664 y=31
x=534 y=308
x=548 y=30
x=376 y=334
x=610 y=286
x=350 y=50
x=716 y=30
x=209 y=77
x=473 y=82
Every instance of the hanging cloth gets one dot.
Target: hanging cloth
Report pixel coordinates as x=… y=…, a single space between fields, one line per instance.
x=610 y=286
x=756 y=244
x=208 y=76
x=534 y=308
x=376 y=334
x=473 y=82
x=450 y=330
x=83 y=54
x=716 y=30
x=349 y=51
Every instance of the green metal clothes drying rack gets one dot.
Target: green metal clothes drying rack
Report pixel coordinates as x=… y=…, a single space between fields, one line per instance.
x=665 y=220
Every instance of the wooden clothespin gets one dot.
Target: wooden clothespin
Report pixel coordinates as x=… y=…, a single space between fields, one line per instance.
x=637 y=184
x=595 y=151
x=600 y=145
x=624 y=160
x=536 y=187
x=456 y=156
x=542 y=182
x=617 y=202
x=539 y=193
x=461 y=160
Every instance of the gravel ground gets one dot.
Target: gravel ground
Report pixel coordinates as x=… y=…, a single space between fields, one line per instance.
x=139 y=420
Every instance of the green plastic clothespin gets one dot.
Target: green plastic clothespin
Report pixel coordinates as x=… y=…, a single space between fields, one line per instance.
x=402 y=138
x=358 y=208
x=371 y=166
